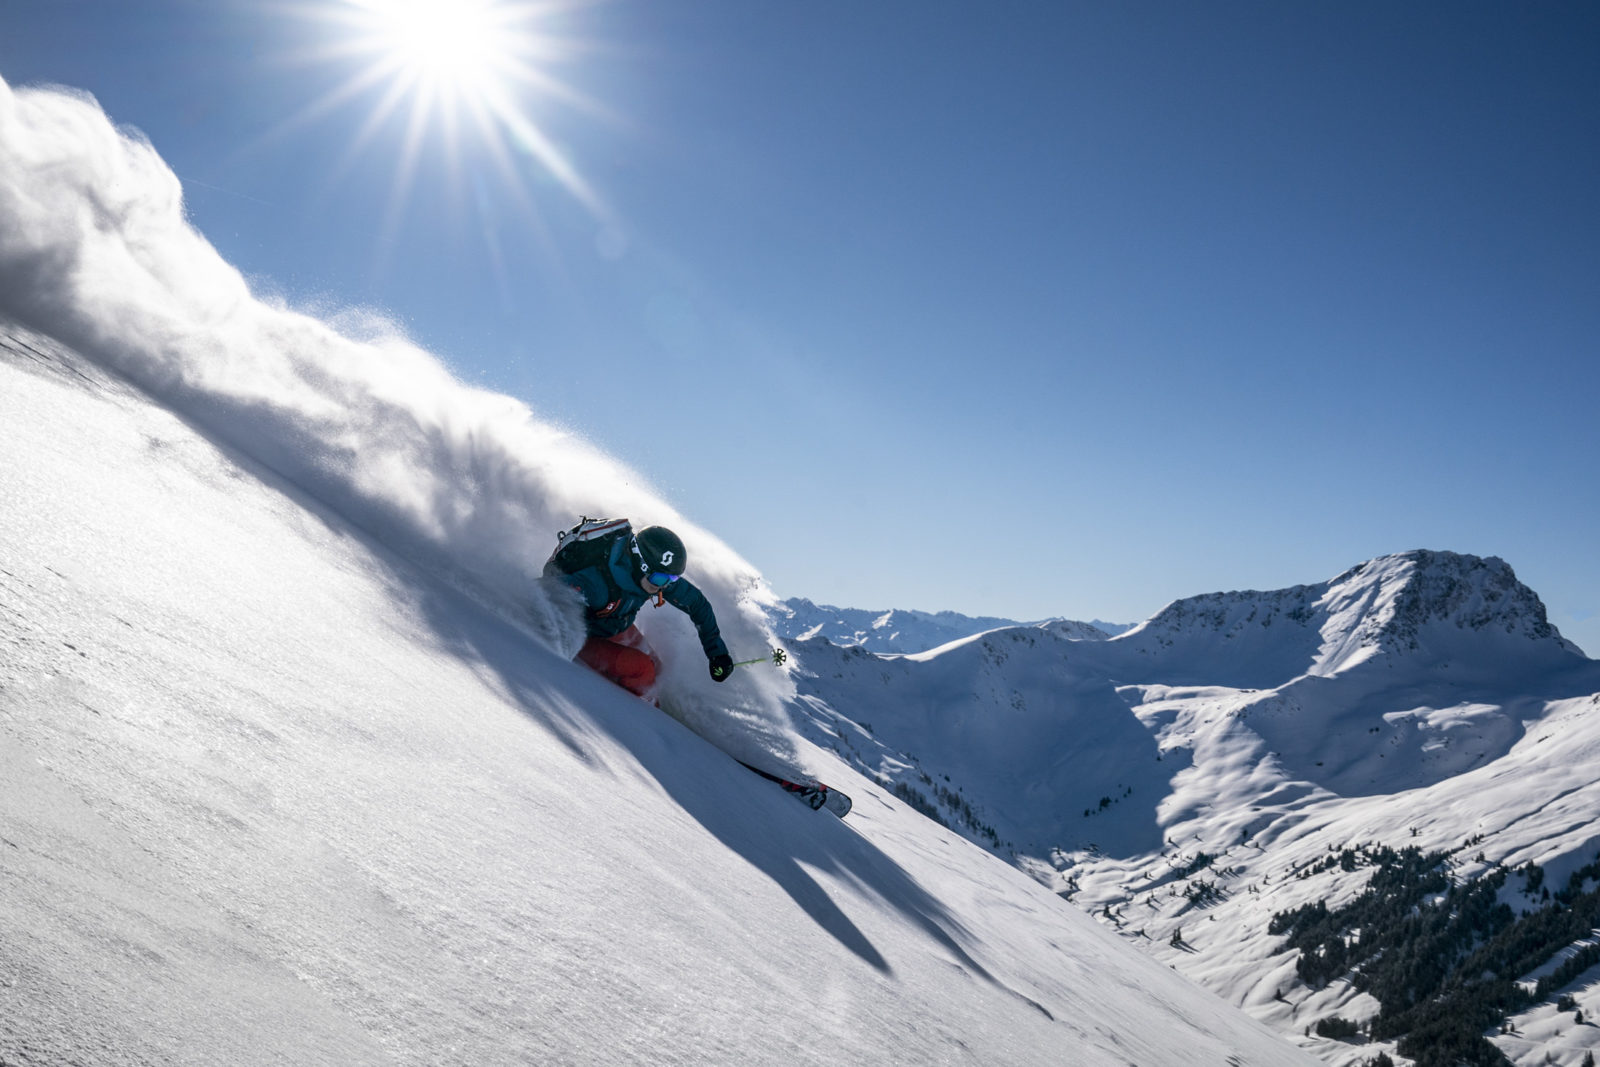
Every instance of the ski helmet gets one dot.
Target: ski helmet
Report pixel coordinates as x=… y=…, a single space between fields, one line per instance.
x=660 y=551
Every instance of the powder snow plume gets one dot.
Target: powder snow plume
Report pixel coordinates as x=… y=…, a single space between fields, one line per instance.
x=95 y=250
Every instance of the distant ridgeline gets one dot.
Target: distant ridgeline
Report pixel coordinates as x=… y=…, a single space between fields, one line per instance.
x=905 y=632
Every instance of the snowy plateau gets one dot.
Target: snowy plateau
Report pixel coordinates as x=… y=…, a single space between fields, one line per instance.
x=296 y=767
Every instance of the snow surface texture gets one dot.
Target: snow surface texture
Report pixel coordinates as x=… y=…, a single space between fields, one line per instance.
x=798 y=619
x=288 y=777
x=1173 y=779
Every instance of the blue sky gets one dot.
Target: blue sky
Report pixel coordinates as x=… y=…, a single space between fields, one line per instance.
x=1023 y=310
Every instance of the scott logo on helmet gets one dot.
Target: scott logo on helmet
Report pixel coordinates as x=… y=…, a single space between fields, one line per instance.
x=666 y=558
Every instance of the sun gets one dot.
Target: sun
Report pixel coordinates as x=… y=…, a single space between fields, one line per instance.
x=451 y=75
x=459 y=48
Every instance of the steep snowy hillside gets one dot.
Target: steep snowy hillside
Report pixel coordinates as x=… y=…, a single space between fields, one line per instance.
x=1190 y=779
x=294 y=765
x=894 y=630
x=271 y=794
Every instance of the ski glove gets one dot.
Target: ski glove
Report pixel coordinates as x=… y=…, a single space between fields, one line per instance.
x=721 y=667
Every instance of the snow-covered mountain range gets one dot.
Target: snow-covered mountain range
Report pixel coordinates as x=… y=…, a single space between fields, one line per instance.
x=1176 y=779
x=901 y=630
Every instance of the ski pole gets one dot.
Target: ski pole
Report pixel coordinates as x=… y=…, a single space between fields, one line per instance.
x=777 y=658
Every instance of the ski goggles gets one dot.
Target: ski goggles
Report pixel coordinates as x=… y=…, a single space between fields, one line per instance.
x=661 y=579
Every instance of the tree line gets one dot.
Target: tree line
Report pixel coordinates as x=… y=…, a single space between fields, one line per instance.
x=1442 y=959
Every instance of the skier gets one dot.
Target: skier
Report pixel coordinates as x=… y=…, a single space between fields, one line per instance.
x=616 y=573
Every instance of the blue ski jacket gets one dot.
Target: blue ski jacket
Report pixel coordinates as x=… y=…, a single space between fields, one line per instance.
x=612 y=593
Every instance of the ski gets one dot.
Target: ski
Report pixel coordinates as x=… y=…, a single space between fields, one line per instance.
x=814 y=794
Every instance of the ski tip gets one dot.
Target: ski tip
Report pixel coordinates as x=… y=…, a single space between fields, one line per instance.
x=837 y=802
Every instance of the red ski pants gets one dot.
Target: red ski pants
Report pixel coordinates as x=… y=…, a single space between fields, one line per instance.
x=630 y=668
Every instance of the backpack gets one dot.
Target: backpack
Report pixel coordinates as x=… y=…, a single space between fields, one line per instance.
x=587 y=544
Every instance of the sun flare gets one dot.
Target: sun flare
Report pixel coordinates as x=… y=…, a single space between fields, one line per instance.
x=456 y=78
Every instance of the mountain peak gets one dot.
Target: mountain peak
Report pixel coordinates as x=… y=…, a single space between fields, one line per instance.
x=1394 y=603
x=1421 y=602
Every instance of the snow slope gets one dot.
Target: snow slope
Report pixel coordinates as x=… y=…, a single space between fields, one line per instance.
x=272 y=795
x=294 y=768
x=1173 y=779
